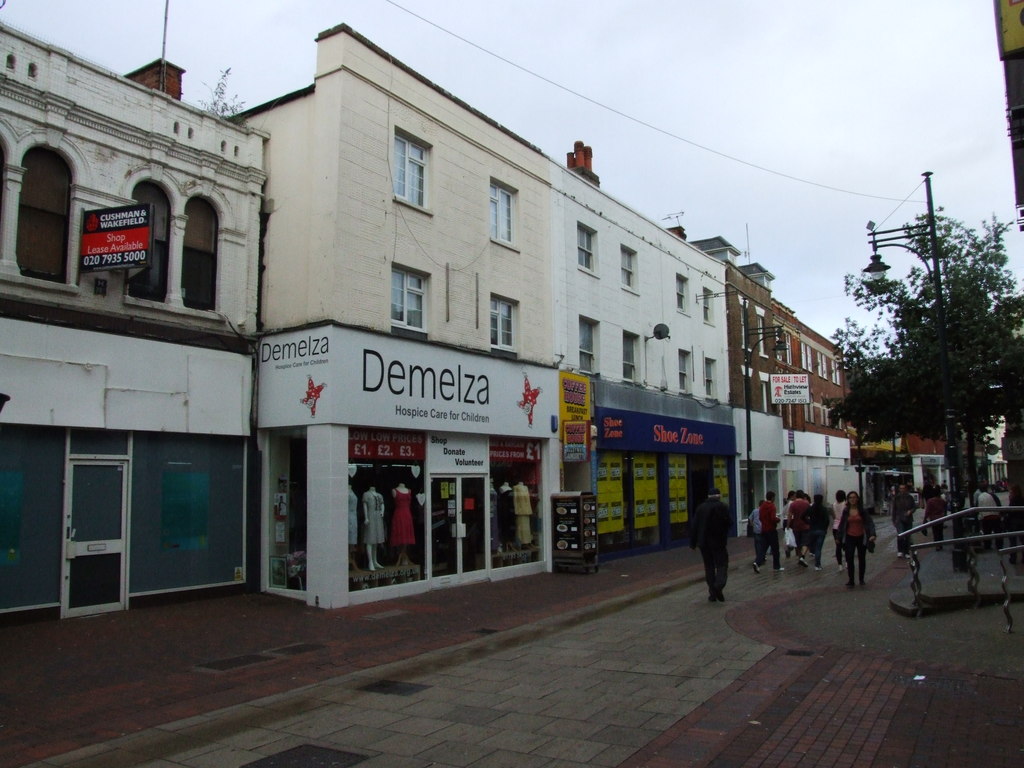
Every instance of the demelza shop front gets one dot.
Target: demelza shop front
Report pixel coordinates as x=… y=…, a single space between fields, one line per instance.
x=392 y=466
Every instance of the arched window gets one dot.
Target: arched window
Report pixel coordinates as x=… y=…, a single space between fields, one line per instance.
x=151 y=283
x=199 y=256
x=43 y=214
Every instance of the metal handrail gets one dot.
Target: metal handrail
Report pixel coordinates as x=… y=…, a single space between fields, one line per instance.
x=974 y=577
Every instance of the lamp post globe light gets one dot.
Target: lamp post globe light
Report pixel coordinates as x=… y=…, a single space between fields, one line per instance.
x=758 y=335
x=877 y=268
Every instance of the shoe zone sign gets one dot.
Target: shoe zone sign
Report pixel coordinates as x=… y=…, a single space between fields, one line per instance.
x=336 y=375
x=116 y=238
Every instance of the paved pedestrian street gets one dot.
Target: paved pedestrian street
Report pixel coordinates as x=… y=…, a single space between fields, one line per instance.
x=794 y=669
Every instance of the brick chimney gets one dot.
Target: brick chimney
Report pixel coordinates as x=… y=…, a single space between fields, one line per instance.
x=160 y=75
x=581 y=160
x=678 y=231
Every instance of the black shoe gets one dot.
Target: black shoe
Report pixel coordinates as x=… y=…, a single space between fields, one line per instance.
x=720 y=596
x=712 y=598
x=862 y=583
x=849 y=583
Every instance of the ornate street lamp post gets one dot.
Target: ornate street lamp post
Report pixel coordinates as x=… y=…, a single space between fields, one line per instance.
x=877 y=268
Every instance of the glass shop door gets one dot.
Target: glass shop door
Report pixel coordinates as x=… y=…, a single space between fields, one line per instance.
x=458 y=522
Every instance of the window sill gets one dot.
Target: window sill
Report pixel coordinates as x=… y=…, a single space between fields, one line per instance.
x=505 y=245
x=505 y=354
x=586 y=271
x=408 y=204
x=408 y=333
x=162 y=307
x=50 y=286
x=632 y=290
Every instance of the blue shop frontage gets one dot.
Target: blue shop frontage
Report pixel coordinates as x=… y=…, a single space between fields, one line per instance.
x=652 y=469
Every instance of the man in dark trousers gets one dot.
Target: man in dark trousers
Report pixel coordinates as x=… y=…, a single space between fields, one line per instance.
x=710 y=532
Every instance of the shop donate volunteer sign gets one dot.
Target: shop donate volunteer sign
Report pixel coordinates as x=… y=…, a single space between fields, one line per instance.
x=790 y=388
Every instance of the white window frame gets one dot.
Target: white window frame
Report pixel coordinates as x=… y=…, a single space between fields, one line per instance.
x=411 y=162
x=685 y=358
x=503 y=324
x=502 y=207
x=588 y=356
x=709 y=376
x=629 y=344
x=628 y=265
x=682 y=291
x=586 y=256
x=412 y=288
x=706 y=306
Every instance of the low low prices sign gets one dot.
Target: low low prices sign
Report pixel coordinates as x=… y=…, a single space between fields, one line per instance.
x=116 y=238
x=790 y=388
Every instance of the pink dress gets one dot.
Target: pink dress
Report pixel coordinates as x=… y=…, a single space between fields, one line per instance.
x=402 y=532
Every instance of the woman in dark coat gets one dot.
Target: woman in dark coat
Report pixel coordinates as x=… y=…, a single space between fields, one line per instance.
x=857 y=530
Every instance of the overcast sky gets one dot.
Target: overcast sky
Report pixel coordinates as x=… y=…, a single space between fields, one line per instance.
x=781 y=126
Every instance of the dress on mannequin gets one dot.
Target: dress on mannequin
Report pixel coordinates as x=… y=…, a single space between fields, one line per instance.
x=506 y=515
x=524 y=511
x=373 y=525
x=402 y=531
x=353 y=529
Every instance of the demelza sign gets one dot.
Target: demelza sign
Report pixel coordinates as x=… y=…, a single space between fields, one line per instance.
x=337 y=375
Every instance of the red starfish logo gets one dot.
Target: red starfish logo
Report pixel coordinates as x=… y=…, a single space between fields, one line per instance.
x=312 y=395
x=529 y=400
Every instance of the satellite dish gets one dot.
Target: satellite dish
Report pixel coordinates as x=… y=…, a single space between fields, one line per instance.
x=661 y=331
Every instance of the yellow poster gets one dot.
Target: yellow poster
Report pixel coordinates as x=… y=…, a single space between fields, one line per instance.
x=645 y=490
x=609 y=493
x=678 y=511
x=721 y=474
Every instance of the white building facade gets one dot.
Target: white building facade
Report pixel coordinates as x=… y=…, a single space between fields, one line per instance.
x=407 y=394
x=123 y=447
x=640 y=316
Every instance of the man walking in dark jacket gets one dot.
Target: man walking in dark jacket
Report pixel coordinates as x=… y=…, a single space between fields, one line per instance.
x=710 y=532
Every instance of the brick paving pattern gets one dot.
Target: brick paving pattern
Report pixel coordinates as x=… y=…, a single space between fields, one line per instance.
x=631 y=666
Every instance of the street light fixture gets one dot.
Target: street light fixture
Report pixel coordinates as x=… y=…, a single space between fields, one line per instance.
x=876 y=268
x=758 y=335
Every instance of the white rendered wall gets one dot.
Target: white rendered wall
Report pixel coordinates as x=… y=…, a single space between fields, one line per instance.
x=65 y=377
x=336 y=230
x=600 y=295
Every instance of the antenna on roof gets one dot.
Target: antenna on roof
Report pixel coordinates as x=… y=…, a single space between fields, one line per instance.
x=163 y=50
x=677 y=215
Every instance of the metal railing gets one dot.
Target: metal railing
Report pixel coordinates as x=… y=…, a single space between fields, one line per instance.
x=967 y=543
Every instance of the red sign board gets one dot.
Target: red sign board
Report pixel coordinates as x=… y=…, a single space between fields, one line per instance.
x=377 y=444
x=116 y=238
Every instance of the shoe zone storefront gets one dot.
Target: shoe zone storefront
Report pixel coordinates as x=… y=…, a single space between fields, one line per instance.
x=651 y=472
x=392 y=466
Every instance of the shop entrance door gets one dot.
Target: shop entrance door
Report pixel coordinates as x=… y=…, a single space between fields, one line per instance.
x=94 y=540
x=458 y=518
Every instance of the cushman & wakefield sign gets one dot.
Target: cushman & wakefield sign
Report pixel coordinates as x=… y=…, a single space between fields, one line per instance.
x=116 y=238
x=344 y=376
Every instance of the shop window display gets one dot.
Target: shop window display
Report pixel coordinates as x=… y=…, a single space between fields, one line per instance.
x=678 y=511
x=385 y=508
x=514 y=502
x=627 y=500
x=287 y=567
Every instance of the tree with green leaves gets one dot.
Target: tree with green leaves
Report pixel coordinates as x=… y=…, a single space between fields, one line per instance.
x=893 y=368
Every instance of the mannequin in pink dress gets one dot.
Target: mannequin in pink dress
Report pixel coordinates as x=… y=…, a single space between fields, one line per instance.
x=402 y=532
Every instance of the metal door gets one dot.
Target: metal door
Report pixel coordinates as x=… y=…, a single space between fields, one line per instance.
x=94 y=538
x=458 y=526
